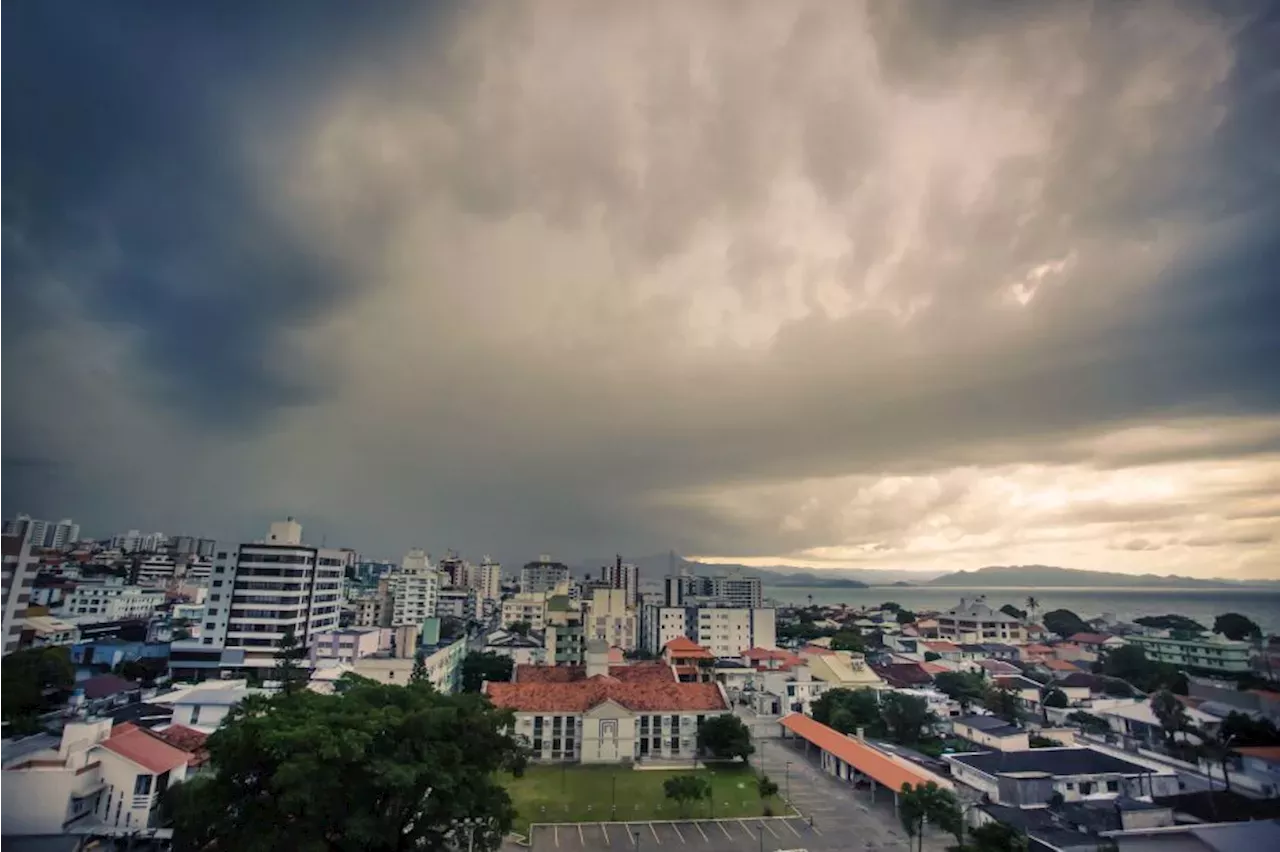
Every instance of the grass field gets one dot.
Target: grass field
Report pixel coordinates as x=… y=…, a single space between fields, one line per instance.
x=587 y=794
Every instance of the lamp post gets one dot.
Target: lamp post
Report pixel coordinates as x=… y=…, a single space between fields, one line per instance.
x=636 y=835
x=788 y=782
x=613 y=793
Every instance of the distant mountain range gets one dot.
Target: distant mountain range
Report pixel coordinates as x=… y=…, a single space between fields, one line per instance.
x=1034 y=576
x=654 y=568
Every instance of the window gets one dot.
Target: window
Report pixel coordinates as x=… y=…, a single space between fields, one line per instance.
x=555 y=745
x=142 y=785
x=213 y=611
x=1071 y=785
x=1113 y=786
x=675 y=744
x=217 y=584
x=537 y=744
x=1086 y=787
x=195 y=715
x=210 y=625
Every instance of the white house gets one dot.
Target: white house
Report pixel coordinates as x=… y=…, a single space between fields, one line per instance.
x=991 y=732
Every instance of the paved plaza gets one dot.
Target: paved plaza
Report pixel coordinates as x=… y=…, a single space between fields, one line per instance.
x=721 y=835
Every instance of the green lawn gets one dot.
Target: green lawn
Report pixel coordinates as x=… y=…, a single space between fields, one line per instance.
x=587 y=793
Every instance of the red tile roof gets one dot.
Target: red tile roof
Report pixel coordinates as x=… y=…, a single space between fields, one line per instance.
x=903 y=675
x=863 y=757
x=1060 y=666
x=653 y=696
x=1090 y=638
x=642 y=672
x=1271 y=754
x=1038 y=649
x=941 y=645
x=141 y=747
x=189 y=740
x=934 y=668
x=635 y=672
x=683 y=646
x=105 y=685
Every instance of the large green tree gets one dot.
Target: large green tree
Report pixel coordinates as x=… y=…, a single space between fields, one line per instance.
x=1233 y=625
x=725 y=737
x=1171 y=621
x=1241 y=729
x=846 y=710
x=1173 y=716
x=1003 y=702
x=1055 y=697
x=683 y=789
x=929 y=803
x=289 y=657
x=478 y=667
x=33 y=681
x=848 y=640
x=1131 y=664
x=965 y=688
x=377 y=768
x=1064 y=622
x=907 y=719
x=996 y=837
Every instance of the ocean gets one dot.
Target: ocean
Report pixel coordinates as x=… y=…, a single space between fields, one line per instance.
x=1262 y=604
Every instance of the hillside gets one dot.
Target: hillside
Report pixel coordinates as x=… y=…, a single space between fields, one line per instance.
x=654 y=568
x=1048 y=576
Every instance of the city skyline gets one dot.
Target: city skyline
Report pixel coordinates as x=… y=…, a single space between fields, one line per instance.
x=926 y=288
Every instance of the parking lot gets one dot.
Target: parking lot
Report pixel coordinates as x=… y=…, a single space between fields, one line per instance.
x=721 y=835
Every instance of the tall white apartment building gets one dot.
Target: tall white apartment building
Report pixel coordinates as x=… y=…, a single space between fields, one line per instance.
x=527 y=608
x=726 y=631
x=18 y=576
x=157 y=569
x=134 y=541
x=110 y=600
x=63 y=534
x=268 y=587
x=415 y=589
x=199 y=569
x=486 y=579
x=625 y=576
x=609 y=618
x=543 y=575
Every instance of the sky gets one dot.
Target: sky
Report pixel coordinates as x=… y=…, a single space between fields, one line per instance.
x=917 y=285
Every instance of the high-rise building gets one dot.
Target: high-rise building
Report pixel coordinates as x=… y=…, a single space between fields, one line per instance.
x=453 y=570
x=610 y=618
x=542 y=575
x=18 y=576
x=726 y=631
x=486 y=579
x=456 y=603
x=625 y=576
x=563 y=628
x=271 y=587
x=63 y=534
x=414 y=589
x=134 y=541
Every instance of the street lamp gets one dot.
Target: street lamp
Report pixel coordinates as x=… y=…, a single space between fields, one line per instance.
x=637 y=839
x=788 y=782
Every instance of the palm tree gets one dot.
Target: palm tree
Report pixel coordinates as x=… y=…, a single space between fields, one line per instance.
x=1215 y=749
x=1032 y=606
x=1171 y=713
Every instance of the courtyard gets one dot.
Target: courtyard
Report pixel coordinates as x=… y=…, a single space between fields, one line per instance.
x=573 y=793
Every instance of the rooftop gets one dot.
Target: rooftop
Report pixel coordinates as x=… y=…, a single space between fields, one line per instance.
x=989 y=725
x=1090 y=638
x=143 y=748
x=1060 y=666
x=868 y=759
x=105 y=685
x=632 y=673
x=1016 y=682
x=1271 y=754
x=903 y=674
x=580 y=696
x=999 y=667
x=187 y=739
x=685 y=647
x=1052 y=761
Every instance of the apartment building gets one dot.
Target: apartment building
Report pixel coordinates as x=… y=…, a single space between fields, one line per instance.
x=18 y=577
x=1210 y=654
x=265 y=589
x=973 y=622
x=624 y=576
x=543 y=575
x=156 y=569
x=526 y=607
x=110 y=599
x=349 y=644
x=415 y=589
x=457 y=603
x=610 y=618
x=563 y=631
x=486 y=579
x=727 y=631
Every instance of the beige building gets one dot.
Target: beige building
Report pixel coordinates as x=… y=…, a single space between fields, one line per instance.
x=607 y=714
x=527 y=607
x=974 y=622
x=842 y=669
x=611 y=619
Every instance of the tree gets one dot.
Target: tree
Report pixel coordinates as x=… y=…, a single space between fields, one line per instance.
x=1216 y=749
x=930 y=656
x=452 y=629
x=33 y=680
x=382 y=768
x=1003 y=702
x=1065 y=623
x=1130 y=663
x=1037 y=741
x=419 y=673
x=996 y=837
x=1013 y=612
x=1235 y=626
x=521 y=627
x=929 y=803
x=766 y=787
x=1241 y=729
x=906 y=616
x=725 y=737
x=1172 y=621
x=289 y=657
x=906 y=717
x=846 y=710
x=965 y=688
x=683 y=789
x=1055 y=698
x=848 y=640
x=1173 y=716
x=1089 y=723
x=1032 y=606
x=891 y=606
x=478 y=667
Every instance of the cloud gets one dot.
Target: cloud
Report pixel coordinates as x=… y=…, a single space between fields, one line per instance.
x=831 y=282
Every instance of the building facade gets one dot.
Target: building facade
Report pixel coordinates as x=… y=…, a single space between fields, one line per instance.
x=544 y=575
x=526 y=607
x=457 y=603
x=110 y=600
x=973 y=622
x=18 y=577
x=415 y=589
x=269 y=588
x=610 y=618
x=1211 y=654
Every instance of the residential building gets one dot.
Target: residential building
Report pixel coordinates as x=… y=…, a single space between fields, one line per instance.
x=523 y=649
x=1096 y=643
x=1213 y=653
x=690 y=661
x=1030 y=778
x=18 y=578
x=635 y=713
x=415 y=589
x=134 y=541
x=973 y=621
x=156 y=569
x=1199 y=837
x=1221 y=697
x=270 y=589
x=95 y=779
x=110 y=599
x=625 y=576
x=39 y=631
x=486 y=579
x=199 y=569
x=349 y=644
x=453 y=570
x=1027 y=690
x=63 y=534
x=203 y=706
x=1138 y=723
x=726 y=631
x=611 y=618
x=544 y=575
x=842 y=669
x=525 y=608
x=443 y=665
x=457 y=603
x=34 y=531
x=991 y=732
x=564 y=634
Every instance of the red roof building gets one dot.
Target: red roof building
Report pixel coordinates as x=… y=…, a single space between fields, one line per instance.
x=187 y=739
x=144 y=749
x=640 y=696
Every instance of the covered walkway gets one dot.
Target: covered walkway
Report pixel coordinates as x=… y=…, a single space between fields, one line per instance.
x=857 y=762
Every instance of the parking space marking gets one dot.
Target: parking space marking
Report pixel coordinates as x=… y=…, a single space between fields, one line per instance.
x=555 y=831
x=581 y=838
x=656 y=838
x=766 y=827
x=747 y=830
x=606 y=834
x=698 y=826
x=635 y=837
x=676 y=829
x=725 y=830
x=788 y=824
x=814 y=829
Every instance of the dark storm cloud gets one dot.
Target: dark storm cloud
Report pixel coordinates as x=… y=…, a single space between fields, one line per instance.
x=751 y=279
